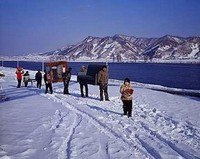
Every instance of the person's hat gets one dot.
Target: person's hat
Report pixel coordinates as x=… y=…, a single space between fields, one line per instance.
x=127 y=80
x=104 y=66
x=19 y=68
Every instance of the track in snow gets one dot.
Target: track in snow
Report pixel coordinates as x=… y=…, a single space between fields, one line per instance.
x=149 y=133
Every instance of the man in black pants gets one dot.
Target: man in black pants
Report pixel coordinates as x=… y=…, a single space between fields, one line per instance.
x=48 y=82
x=66 y=78
x=103 y=83
x=38 y=78
x=83 y=82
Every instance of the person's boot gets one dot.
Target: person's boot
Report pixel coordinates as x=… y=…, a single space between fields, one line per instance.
x=124 y=109
x=129 y=115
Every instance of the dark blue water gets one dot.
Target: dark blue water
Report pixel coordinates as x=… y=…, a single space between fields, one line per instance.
x=186 y=76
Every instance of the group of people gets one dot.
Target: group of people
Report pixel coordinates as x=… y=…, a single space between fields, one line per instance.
x=22 y=76
x=26 y=77
x=126 y=89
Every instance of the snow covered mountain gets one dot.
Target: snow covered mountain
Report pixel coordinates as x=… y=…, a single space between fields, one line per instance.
x=122 y=48
x=128 y=48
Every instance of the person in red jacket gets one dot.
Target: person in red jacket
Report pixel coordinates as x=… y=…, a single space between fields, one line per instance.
x=19 y=74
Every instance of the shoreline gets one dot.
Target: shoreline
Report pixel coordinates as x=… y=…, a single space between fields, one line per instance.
x=171 y=90
x=177 y=92
x=193 y=61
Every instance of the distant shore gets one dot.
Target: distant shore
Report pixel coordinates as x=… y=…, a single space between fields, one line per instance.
x=45 y=59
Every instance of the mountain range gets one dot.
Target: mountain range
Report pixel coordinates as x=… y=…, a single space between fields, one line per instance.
x=122 y=48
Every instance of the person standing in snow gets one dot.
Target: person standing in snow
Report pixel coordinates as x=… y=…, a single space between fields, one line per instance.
x=19 y=74
x=38 y=78
x=26 y=78
x=126 y=91
x=66 y=76
x=83 y=82
x=48 y=82
x=103 y=83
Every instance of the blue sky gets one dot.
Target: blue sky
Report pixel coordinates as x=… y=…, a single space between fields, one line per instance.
x=33 y=26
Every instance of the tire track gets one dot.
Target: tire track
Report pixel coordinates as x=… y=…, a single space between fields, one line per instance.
x=133 y=141
x=171 y=125
x=159 y=138
x=172 y=128
x=66 y=145
x=131 y=144
x=182 y=153
x=139 y=144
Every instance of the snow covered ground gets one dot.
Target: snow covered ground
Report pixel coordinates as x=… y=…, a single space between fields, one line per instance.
x=44 y=126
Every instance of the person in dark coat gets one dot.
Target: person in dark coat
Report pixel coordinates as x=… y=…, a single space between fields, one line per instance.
x=83 y=82
x=19 y=74
x=38 y=78
x=26 y=78
x=126 y=91
x=66 y=76
x=103 y=83
x=48 y=82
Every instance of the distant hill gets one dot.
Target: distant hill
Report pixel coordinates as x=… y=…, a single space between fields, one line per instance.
x=122 y=48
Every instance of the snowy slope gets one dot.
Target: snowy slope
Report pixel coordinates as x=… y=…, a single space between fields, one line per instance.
x=37 y=125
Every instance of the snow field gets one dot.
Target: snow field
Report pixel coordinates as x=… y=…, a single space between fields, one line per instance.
x=38 y=125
